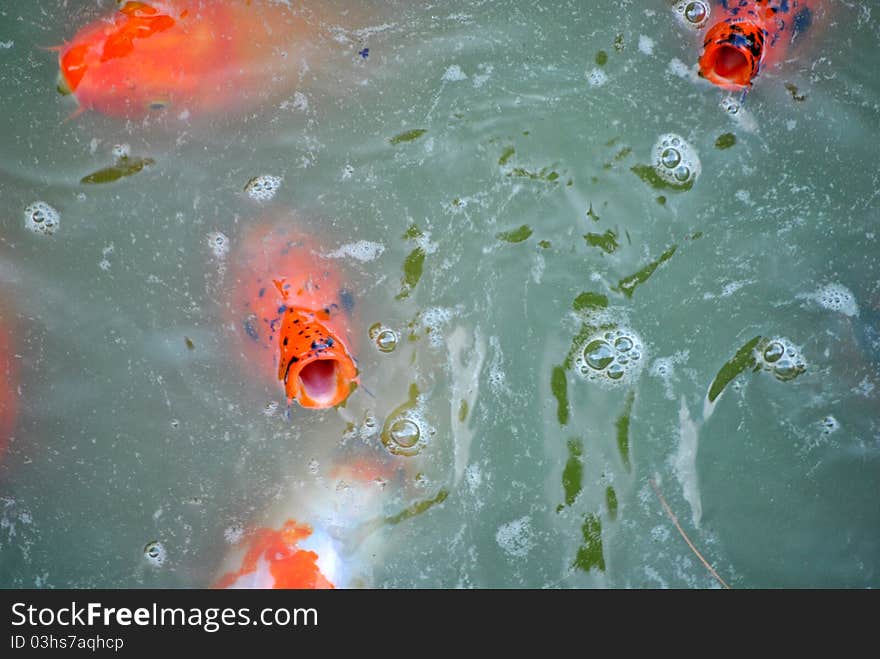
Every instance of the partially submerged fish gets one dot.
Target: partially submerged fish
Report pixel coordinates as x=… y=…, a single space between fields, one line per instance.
x=749 y=36
x=331 y=551
x=196 y=56
x=8 y=393
x=294 y=314
x=282 y=558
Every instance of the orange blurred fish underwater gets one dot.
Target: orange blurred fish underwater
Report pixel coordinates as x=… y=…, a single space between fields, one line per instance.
x=749 y=36
x=8 y=385
x=333 y=550
x=193 y=57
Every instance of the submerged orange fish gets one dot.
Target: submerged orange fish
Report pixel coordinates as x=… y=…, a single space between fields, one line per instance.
x=196 y=56
x=749 y=36
x=274 y=559
x=8 y=393
x=295 y=312
x=347 y=506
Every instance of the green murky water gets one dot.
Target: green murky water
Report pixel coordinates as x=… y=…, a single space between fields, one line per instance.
x=484 y=180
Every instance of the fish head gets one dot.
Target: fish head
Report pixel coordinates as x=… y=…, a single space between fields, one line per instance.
x=732 y=54
x=315 y=365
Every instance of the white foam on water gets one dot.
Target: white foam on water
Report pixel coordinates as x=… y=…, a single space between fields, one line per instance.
x=41 y=218
x=362 y=250
x=467 y=352
x=516 y=538
x=835 y=297
x=454 y=74
x=597 y=77
x=263 y=187
x=685 y=461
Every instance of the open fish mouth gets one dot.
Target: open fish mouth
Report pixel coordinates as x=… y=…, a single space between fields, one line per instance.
x=320 y=381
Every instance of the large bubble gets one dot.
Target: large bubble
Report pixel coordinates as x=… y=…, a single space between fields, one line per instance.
x=676 y=161
x=611 y=357
x=41 y=218
x=385 y=338
x=155 y=554
x=692 y=13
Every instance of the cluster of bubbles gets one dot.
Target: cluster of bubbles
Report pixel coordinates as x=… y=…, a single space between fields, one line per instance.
x=597 y=77
x=676 y=161
x=694 y=14
x=837 y=297
x=516 y=538
x=385 y=338
x=41 y=218
x=219 y=244
x=263 y=187
x=155 y=553
x=829 y=425
x=233 y=534
x=612 y=357
x=782 y=358
x=731 y=103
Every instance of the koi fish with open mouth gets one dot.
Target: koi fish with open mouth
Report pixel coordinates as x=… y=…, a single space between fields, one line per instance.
x=294 y=313
x=199 y=56
x=750 y=36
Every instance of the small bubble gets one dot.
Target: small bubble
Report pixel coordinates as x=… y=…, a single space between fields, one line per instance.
x=616 y=371
x=730 y=104
x=786 y=369
x=829 y=425
x=154 y=552
x=681 y=174
x=270 y=408
x=175 y=424
x=774 y=351
x=623 y=344
x=313 y=466
x=263 y=188
x=41 y=218
x=670 y=158
x=219 y=244
x=598 y=355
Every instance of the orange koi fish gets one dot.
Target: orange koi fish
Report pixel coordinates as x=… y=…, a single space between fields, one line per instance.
x=274 y=559
x=297 y=555
x=8 y=394
x=295 y=312
x=750 y=36
x=197 y=56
